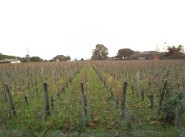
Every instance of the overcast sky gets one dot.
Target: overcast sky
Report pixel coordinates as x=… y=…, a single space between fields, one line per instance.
x=73 y=27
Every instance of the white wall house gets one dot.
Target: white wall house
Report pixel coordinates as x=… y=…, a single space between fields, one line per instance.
x=13 y=61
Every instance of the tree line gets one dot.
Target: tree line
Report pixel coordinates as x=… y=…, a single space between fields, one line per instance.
x=101 y=52
x=27 y=58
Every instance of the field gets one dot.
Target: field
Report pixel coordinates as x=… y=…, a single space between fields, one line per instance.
x=93 y=98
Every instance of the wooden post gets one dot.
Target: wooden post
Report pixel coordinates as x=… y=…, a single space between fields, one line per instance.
x=26 y=100
x=162 y=96
x=152 y=100
x=142 y=94
x=123 y=101
x=117 y=101
x=37 y=91
x=84 y=104
x=5 y=95
x=138 y=83
x=66 y=85
x=132 y=88
x=151 y=97
x=42 y=70
x=12 y=108
x=47 y=111
x=52 y=103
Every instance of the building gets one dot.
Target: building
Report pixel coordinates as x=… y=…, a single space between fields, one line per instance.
x=151 y=55
x=12 y=61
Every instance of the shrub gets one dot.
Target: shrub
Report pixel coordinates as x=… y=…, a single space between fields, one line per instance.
x=174 y=100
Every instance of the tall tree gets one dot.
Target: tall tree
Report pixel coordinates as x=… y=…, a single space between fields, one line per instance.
x=35 y=59
x=123 y=53
x=100 y=52
x=174 y=50
x=61 y=58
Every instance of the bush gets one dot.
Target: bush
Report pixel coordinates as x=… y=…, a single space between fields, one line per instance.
x=174 y=100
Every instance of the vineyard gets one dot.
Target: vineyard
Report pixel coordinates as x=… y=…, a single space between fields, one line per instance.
x=95 y=98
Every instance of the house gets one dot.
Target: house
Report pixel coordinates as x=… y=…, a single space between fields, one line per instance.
x=12 y=61
x=151 y=55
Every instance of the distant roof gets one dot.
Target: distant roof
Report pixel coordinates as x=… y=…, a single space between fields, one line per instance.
x=149 y=52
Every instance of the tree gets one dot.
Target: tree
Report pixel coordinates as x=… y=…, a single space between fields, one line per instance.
x=35 y=59
x=174 y=51
x=100 y=52
x=68 y=58
x=61 y=58
x=2 y=57
x=123 y=53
